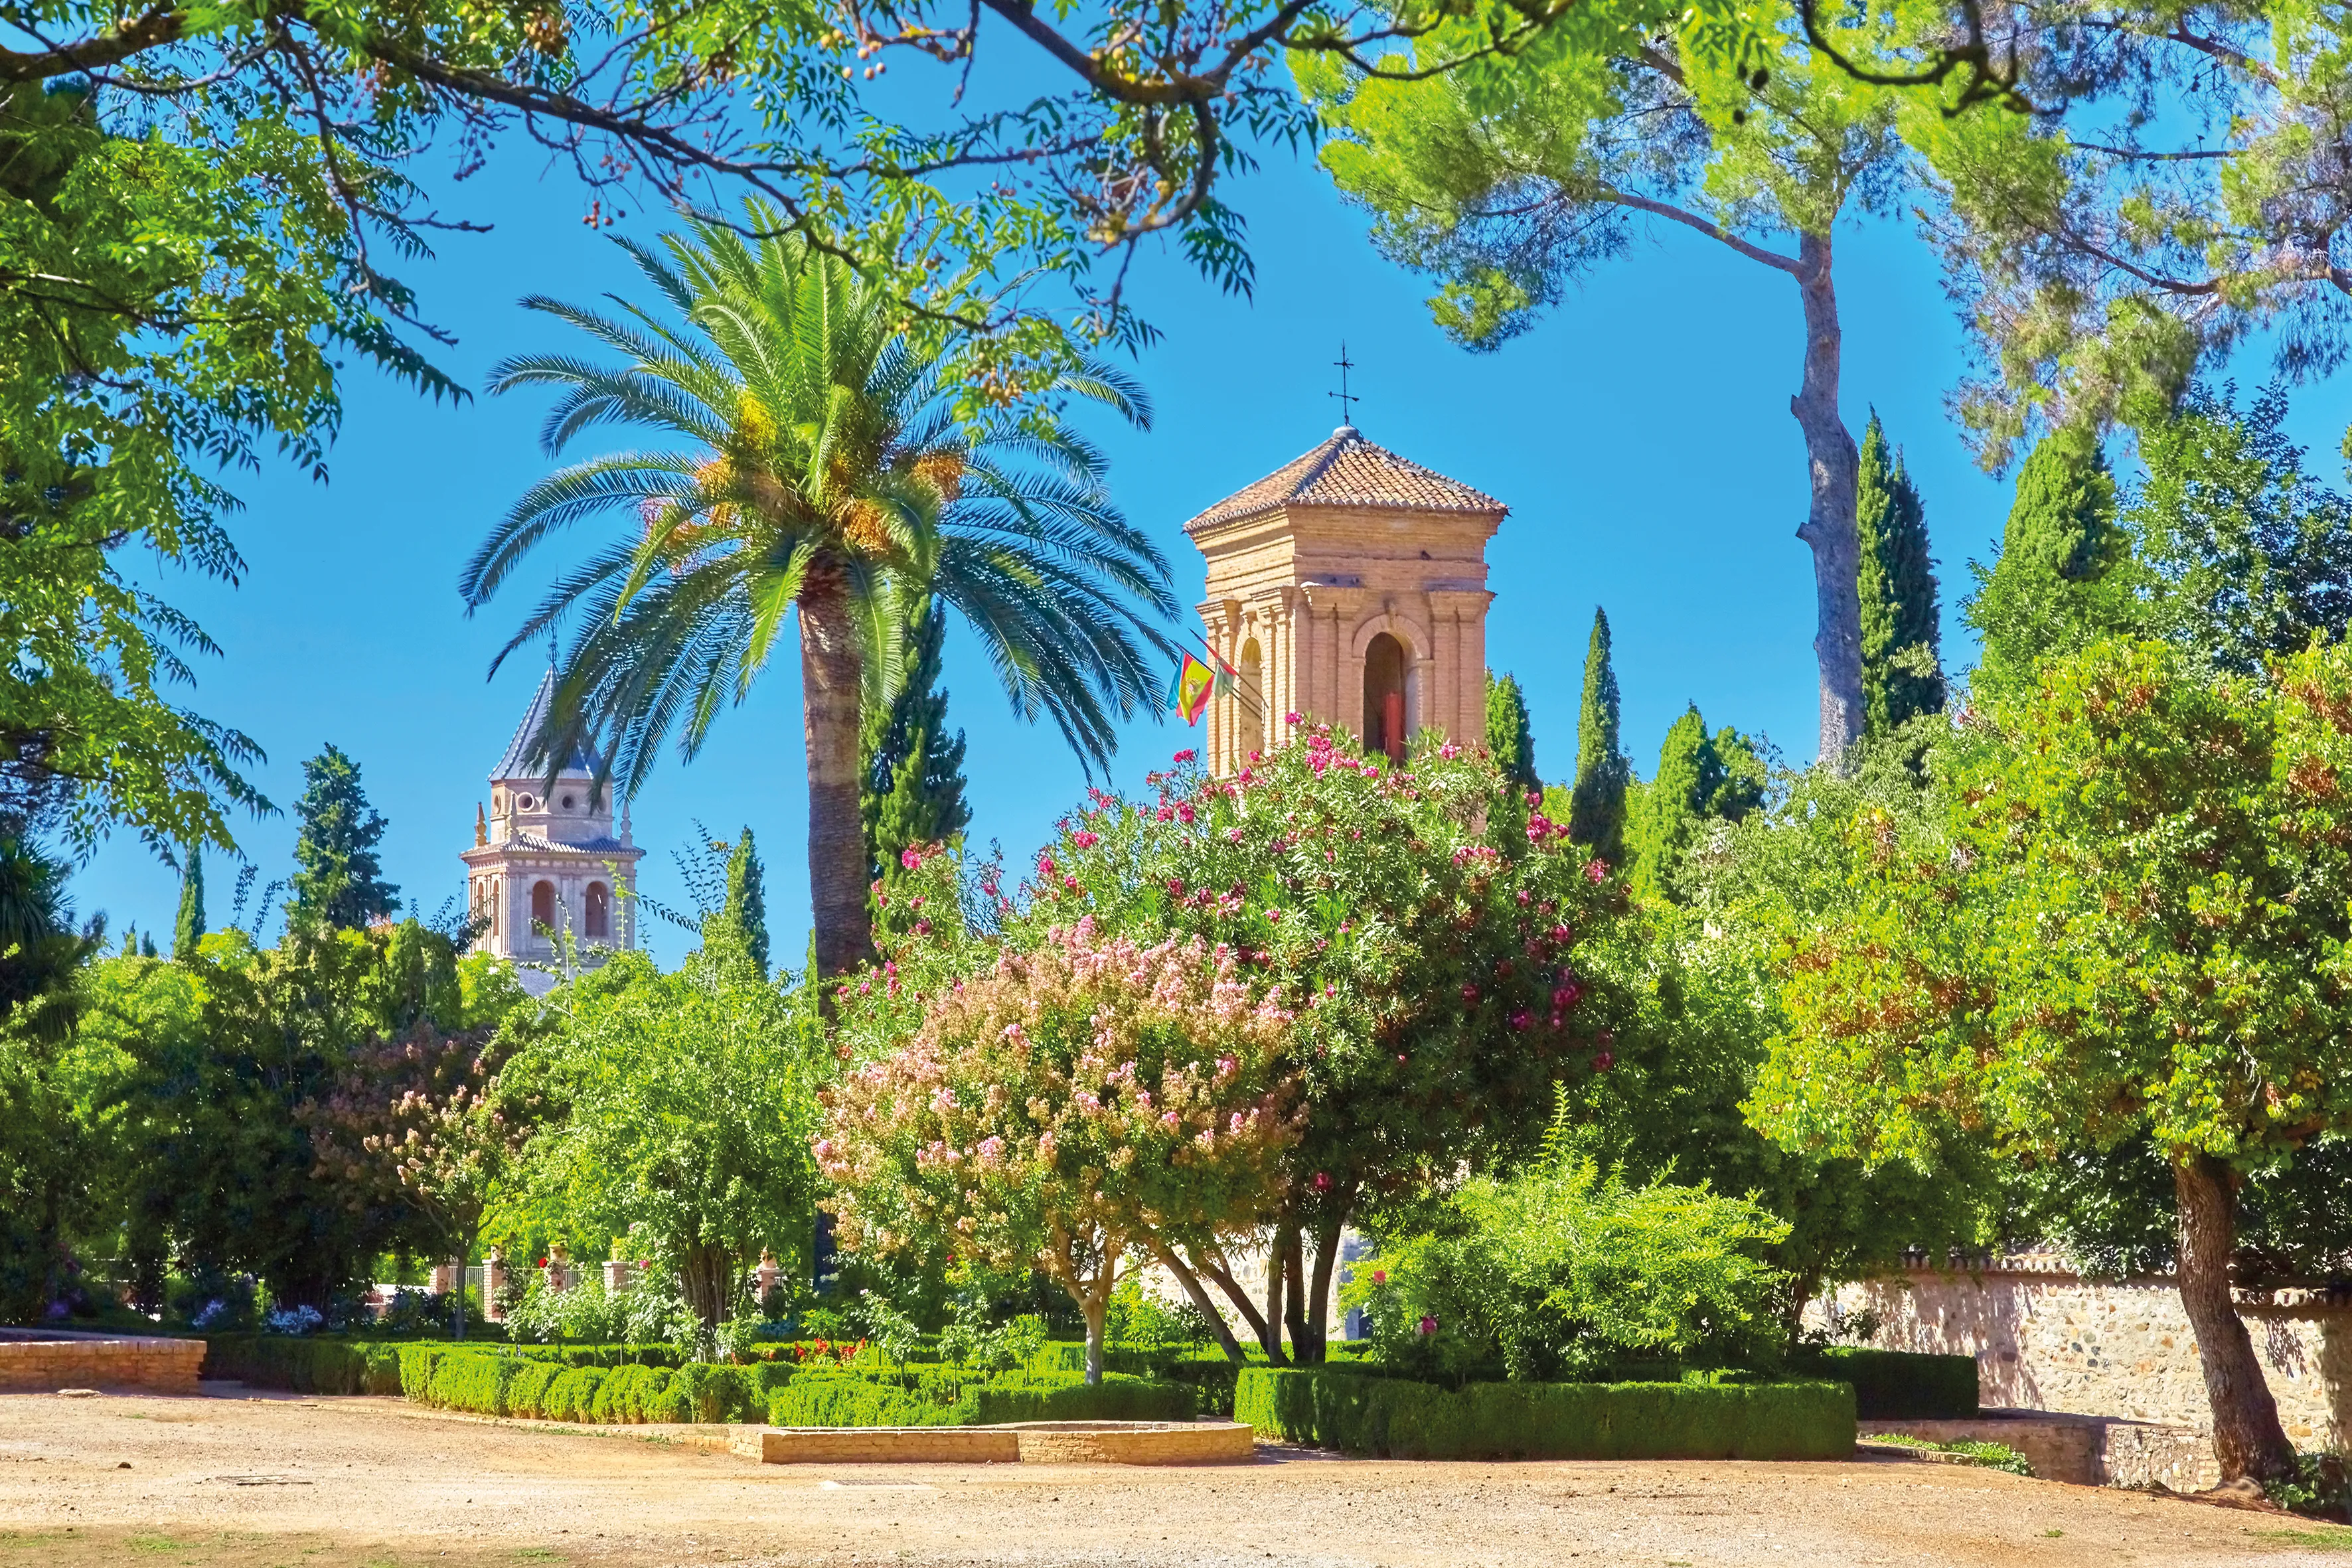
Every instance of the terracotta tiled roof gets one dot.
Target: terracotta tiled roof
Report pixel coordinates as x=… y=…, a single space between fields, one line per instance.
x=518 y=763
x=1347 y=471
x=603 y=844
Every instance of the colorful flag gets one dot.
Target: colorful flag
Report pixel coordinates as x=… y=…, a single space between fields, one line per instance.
x=1190 y=694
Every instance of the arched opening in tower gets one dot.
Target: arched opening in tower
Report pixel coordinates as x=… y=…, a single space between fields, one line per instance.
x=600 y=912
x=1384 y=697
x=543 y=907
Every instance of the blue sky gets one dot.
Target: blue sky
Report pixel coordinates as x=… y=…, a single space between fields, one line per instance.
x=1639 y=435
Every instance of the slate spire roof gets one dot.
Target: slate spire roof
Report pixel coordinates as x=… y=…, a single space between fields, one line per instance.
x=517 y=764
x=1347 y=471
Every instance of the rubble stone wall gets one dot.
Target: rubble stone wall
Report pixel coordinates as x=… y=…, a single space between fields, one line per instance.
x=2046 y=1338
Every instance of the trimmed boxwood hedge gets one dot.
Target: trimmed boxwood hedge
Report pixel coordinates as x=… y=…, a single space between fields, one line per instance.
x=955 y=1396
x=1902 y=1385
x=1394 y=1418
x=303 y=1365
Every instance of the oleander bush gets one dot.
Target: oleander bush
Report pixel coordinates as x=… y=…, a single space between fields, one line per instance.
x=1394 y=1418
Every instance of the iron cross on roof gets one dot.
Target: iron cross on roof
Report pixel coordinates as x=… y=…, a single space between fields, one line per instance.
x=1346 y=414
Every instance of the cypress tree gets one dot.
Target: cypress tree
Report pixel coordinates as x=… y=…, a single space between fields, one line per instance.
x=2064 y=578
x=1902 y=664
x=1596 y=814
x=1510 y=738
x=747 y=905
x=1701 y=779
x=912 y=784
x=189 y=930
x=338 y=880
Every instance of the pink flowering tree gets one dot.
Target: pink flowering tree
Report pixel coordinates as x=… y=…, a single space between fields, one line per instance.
x=1424 y=924
x=1082 y=1106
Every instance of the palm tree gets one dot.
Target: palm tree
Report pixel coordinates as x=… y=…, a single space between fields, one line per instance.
x=817 y=465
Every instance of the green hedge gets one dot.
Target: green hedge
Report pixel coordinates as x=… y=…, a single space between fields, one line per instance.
x=303 y=1365
x=1902 y=1385
x=546 y=1388
x=1397 y=1419
x=955 y=1396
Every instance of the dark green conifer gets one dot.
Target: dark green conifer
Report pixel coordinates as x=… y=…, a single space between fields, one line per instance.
x=1510 y=738
x=2064 y=578
x=189 y=930
x=746 y=904
x=1701 y=779
x=1596 y=815
x=912 y=781
x=1902 y=661
x=338 y=880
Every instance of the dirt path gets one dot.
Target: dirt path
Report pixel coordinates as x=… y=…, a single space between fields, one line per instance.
x=284 y=1483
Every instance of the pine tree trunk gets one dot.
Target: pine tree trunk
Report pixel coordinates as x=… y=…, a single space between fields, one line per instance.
x=1830 y=527
x=2247 y=1436
x=830 y=695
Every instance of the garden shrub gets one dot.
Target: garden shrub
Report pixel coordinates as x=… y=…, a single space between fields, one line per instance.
x=526 y=1389
x=1900 y=1385
x=1396 y=1418
x=306 y=1365
x=1560 y=1273
x=570 y=1396
x=955 y=1396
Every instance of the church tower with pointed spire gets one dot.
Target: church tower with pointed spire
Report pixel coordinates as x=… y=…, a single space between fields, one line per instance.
x=547 y=860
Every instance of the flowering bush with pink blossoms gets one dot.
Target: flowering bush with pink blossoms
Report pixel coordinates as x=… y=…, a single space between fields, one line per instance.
x=1422 y=924
x=1082 y=1106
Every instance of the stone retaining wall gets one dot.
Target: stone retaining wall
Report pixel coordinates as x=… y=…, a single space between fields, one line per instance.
x=2046 y=1338
x=44 y=1361
x=2086 y=1450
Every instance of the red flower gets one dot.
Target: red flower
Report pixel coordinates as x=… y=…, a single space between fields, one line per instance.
x=1604 y=1061
x=1428 y=1324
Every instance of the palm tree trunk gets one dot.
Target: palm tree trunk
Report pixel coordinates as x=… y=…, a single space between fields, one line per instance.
x=836 y=833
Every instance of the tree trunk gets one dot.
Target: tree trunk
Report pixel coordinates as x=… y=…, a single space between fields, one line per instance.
x=1269 y=1339
x=1318 y=1287
x=705 y=1273
x=1206 y=1305
x=1830 y=527
x=1093 y=1304
x=1277 y=1255
x=2247 y=1436
x=844 y=932
x=1306 y=1347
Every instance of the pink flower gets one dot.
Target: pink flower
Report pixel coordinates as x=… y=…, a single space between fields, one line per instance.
x=911 y=859
x=991 y=1151
x=1185 y=755
x=1322 y=1181
x=1596 y=871
x=1292 y=719
x=1449 y=751
x=1604 y=1061
x=1380 y=1276
x=1085 y=841
x=1184 y=811
x=1428 y=1324
x=1167 y=1118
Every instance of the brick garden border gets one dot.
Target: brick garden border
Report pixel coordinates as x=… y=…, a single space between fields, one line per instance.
x=42 y=1361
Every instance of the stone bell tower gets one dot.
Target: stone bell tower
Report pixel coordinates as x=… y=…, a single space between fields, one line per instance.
x=546 y=859
x=1349 y=586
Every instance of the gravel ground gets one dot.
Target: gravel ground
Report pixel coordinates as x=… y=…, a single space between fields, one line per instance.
x=224 y=1481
